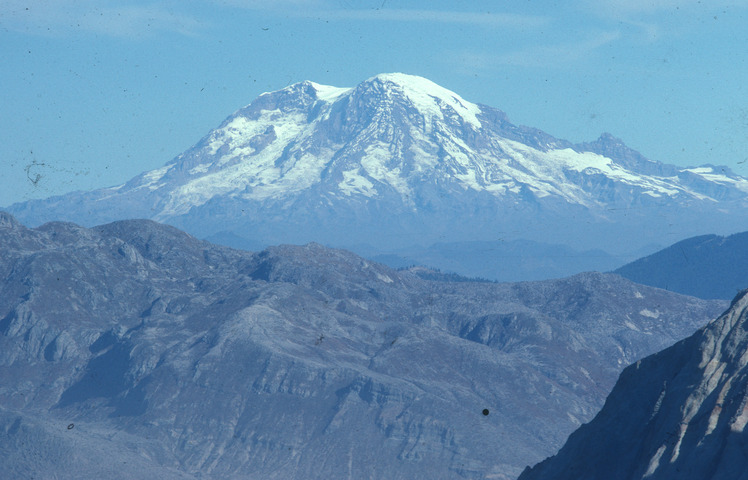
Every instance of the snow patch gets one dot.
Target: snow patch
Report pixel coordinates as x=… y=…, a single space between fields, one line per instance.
x=738 y=423
x=699 y=170
x=631 y=326
x=708 y=174
x=384 y=278
x=655 y=461
x=327 y=93
x=593 y=163
x=199 y=169
x=681 y=435
x=649 y=313
x=354 y=183
x=374 y=162
x=658 y=403
x=574 y=420
x=155 y=175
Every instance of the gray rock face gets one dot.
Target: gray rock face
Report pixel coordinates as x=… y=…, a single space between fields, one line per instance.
x=172 y=357
x=398 y=161
x=680 y=413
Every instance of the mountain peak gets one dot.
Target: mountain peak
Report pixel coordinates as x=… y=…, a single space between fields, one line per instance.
x=327 y=93
x=426 y=96
x=607 y=137
x=405 y=80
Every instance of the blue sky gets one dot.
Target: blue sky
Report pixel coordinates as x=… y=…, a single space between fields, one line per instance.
x=97 y=91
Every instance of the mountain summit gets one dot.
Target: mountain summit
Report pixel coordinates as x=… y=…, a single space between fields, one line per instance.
x=399 y=160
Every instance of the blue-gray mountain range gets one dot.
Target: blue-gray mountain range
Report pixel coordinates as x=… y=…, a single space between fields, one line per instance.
x=707 y=266
x=133 y=350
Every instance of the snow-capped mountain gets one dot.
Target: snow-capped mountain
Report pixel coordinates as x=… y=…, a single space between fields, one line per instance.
x=399 y=160
x=680 y=413
x=132 y=350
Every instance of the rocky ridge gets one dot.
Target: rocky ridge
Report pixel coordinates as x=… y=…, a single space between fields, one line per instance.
x=143 y=347
x=680 y=413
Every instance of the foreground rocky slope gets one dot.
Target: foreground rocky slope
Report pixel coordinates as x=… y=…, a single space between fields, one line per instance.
x=132 y=349
x=680 y=413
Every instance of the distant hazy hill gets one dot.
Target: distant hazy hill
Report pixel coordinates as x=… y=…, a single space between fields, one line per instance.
x=679 y=414
x=708 y=266
x=132 y=350
x=500 y=260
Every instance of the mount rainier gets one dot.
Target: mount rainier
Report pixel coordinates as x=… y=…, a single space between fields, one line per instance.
x=398 y=161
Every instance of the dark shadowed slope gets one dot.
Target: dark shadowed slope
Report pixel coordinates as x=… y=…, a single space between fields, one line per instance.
x=680 y=414
x=168 y=354
x=708 y=266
